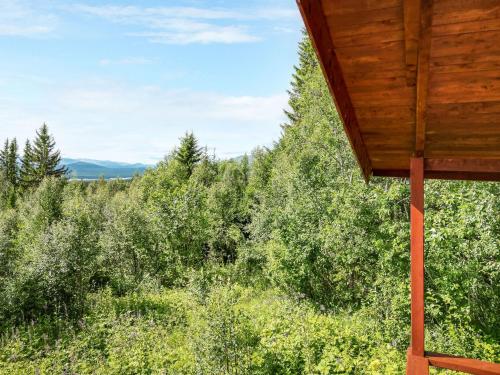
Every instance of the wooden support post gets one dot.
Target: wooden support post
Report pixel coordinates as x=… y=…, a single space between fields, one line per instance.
x=417 y=365
x=416 y=360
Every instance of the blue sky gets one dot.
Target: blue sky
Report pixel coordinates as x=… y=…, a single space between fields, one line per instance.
x=123 y=80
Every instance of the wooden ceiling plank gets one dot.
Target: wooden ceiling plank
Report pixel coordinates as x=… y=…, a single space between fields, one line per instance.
x=364 y=25
x=485 y=61
x=448 y=113
x=465 y=68
x=456 y=11
x=342 y=7
x=479 y=86
x=352 y=20
x=369 y=39
x=442 y=111
x=467 y=45
x=466 y=27
x=313 y=15
x=424 y=53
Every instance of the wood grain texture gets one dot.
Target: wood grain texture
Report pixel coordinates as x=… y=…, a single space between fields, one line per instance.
x=417 y=256
x=424 y=53
x=343 y=7
x=463 y=165
x=314 y=17
x=372 y=46
x=466 y=176
x=412 y=31
x=469 y=366
x=416 y=365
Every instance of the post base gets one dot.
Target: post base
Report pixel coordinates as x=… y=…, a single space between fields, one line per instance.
x=416 y=365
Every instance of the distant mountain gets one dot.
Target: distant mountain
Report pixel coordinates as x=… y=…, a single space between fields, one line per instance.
x=240 y=158
x=87 y=169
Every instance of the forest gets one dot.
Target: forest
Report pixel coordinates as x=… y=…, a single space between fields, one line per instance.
x=283 y=262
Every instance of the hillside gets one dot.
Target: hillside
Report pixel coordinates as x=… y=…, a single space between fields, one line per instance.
x=94 y=169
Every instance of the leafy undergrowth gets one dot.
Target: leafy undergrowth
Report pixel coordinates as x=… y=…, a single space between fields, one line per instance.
x=230 y=330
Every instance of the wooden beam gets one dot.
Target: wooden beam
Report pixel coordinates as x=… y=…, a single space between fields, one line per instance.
x=316 y=24
x=469 y=366
x=412 y=36
x=452 y=169
x=433 y=175
x=424 y=53
x=463 y=165
x=417 y=256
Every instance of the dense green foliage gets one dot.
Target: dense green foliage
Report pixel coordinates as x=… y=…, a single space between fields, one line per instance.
x=188 y=154
x=39 y=161
x=289 y=264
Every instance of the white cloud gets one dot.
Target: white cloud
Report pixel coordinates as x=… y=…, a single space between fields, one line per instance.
x=210 y=34
x=104 y=120
x=19 y=18
x=185 y=25
x=128 y=13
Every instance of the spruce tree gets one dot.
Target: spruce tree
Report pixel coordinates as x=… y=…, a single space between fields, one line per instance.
x=308 y=65
x=9 y=174
x=26 y=171
x=245 y=168
x=12 y=164
x=8 y=162
x=45 y=158
x=4 y=157
x=189 y=153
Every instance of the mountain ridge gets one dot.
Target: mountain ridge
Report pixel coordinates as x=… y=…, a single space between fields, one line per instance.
x=90 y=169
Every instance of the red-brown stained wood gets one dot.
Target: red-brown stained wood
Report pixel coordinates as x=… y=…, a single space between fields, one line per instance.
x=396 y=97
x=390 y=20
x=369 y=39
x=360 y=17
x=410 y=76
x=411 y=31
x=465 y=27
x=459 y=153
x=469 y=366
x=482 y=42
x=416 y=365
x=463 y=165
x=457 y=11
x=355 y=6
x=424 y=52
x=466 y=63
x=466 y=176
x=312 y=12
x=417 y=255
x=451 y=87
x=371 y=42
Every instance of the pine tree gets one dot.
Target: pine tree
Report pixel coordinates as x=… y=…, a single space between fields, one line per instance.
x=189 y=153
x=46 y=160
x=26 y=171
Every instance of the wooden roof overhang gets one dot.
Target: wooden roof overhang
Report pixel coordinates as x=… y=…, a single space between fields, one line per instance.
x=417 y=85
x=414 y=78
